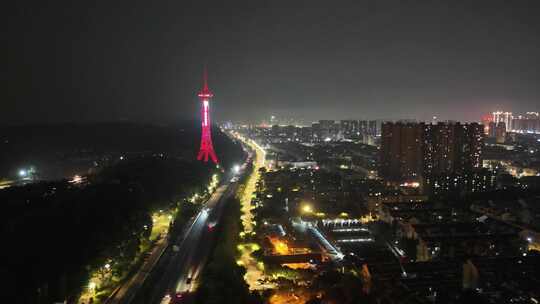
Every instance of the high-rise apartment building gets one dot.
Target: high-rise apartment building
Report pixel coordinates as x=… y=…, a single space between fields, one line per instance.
x=372 y=128
x=368 y=127
x=401 y=154
x=325 y=130
x=497 y=130
x=500 y=132
x=505 y=117
x=349 y=128
x=419 y=152
x=452 y=148
x=492 y=129
x=487 y=120
x=527 y=123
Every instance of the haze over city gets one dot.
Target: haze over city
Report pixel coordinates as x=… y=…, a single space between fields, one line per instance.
x=133 y=60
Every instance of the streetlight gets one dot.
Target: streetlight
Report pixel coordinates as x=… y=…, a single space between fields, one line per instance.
x=236 y=169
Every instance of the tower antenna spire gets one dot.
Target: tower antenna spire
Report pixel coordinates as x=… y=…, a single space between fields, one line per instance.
x=205 y=91
x=205 y=77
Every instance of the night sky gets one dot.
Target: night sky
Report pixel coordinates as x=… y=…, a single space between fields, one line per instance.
x=81 y=61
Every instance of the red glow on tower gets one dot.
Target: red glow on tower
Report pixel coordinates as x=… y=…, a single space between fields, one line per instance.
x=207 y=148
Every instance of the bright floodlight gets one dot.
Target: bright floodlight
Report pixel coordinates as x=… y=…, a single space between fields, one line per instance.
x=77 y=179
x=307 y=208
x=22 y=173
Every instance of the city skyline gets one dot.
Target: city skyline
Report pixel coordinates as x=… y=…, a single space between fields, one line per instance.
x=268 y=152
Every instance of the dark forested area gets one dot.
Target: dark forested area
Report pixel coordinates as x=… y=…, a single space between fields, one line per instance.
x=56 y=233
x=60 y=150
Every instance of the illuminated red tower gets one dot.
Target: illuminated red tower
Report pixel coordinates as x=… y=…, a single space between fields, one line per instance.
x=207 y=149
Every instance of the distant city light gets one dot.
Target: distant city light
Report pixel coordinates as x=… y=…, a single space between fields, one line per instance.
x=355 y=240
x=412 y=184
x=77 y=179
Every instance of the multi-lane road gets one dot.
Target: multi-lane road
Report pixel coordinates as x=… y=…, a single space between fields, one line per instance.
x=172 y=271
x=177 y=271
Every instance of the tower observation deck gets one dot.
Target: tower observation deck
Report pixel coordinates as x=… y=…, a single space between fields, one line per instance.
x=207 y=148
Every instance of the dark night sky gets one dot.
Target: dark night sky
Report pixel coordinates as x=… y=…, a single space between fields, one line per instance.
x=142 y=60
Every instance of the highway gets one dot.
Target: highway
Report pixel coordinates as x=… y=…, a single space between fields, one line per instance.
x=126 y=292
x=178 y=271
